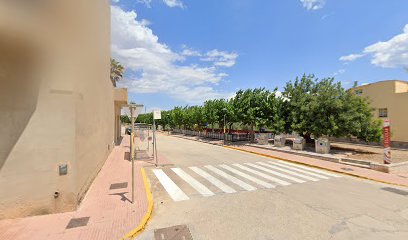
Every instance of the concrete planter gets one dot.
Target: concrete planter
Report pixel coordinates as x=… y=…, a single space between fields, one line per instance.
x=299 y=143
x=322 y=146
x=279 y=141
x=262 y=138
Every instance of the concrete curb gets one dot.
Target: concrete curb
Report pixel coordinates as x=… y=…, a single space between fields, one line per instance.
x=139 y=229
x=314 y=166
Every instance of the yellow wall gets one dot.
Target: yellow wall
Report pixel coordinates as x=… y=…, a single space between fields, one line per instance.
x=392 y=95
x=56 y=102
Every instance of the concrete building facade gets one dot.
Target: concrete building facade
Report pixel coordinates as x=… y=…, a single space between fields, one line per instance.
x=390 y=101
x=58 y=112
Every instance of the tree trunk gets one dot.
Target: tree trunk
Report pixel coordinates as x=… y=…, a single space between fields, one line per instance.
x=252 y=133
x=230 y=128
x=307 y=137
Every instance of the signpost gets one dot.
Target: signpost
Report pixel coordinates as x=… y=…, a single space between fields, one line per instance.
x=156 y=116
x=133 y=111
x=387 y=141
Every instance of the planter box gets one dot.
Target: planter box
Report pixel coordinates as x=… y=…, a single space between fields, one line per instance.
x=279 y=141
x=262 y=138
x=299 y=143
x=322 y=145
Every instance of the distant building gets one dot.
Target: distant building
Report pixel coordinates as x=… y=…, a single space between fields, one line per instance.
x=59 y=112
x=390 y=101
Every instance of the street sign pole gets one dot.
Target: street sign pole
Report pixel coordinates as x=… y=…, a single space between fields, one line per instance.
x=387 y=141
x=132 y=147
x=156 y=116
x=132 y=111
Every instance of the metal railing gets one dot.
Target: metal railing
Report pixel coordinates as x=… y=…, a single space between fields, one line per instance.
x=230 y=137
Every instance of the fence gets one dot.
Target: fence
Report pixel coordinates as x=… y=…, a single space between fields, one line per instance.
x=231 y=137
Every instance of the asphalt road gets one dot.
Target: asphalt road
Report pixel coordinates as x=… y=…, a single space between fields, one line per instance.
x=220 y=193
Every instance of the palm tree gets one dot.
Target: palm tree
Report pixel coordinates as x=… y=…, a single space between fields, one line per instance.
x=116 y=71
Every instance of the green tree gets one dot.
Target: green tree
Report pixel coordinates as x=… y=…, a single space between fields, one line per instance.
x=210 y=112
x=251 y=107
x=116 y=71
x=324 y=108
x=177 y=115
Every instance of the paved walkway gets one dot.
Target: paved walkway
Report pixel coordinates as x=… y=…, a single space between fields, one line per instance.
x=111 y=214
x=396 y=179
x=337 y=167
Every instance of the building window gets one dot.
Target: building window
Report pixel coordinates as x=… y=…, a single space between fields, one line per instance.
x=359 y=91
x=382 y=112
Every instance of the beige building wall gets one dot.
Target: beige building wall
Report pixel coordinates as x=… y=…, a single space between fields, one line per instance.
x=393 y=96
x=56 y=103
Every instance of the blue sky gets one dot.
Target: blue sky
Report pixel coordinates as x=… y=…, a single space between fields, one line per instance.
x=182 y=52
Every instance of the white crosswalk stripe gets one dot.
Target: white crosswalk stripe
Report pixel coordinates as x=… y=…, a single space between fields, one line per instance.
x=266 y=174
x=297 y=180
x=299 y=170
x=172 y=189
x=231 y=178
x=277 y=180
x=310 y=169
x=288 y=171
x=250 y=178
x=193 y=182
x=224 y=187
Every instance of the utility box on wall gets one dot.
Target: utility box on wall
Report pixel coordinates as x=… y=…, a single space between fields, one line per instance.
x=322 y=145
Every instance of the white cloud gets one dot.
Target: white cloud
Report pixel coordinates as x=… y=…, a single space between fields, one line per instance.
x=159 y=69
x=389 y=54
x=174 y=3
x=392 y=53
x=189 y=52
x=115 y=1
x=339 y=72
x=351 y=57
x=145 y=2
x=313 y=4
x=221 y=58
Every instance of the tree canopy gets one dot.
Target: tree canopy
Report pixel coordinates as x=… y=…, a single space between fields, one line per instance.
x=116 y=71
x=308 y=106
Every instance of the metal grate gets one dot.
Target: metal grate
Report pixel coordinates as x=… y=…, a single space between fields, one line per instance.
x=77 y=222
x=396 y=191
x=179 y=232
x=118 y=185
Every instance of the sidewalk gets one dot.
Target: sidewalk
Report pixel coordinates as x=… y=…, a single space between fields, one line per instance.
x=394 y=179
x=110 y=212
x=336 y=167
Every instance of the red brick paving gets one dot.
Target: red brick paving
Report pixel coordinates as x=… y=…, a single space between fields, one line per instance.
x=111 y=216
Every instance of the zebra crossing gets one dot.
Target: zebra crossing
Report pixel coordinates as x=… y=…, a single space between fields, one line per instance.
x=211 y=180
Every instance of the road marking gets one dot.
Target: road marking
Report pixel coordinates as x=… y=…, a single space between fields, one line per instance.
x=224 y=187
x=277 y=180
x=276 y=173
x=172 y=189
x=310 y=169
x=230 y=178
x=299 y=170
x=249 y=177
x=288 y=171
x=203 y=190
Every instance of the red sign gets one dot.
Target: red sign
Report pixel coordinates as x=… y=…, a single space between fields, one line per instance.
x=387 y=141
